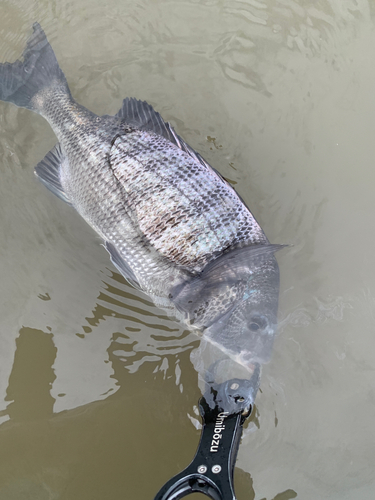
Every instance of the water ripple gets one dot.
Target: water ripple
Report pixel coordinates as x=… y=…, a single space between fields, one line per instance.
x=149 y=336
x=317 y=311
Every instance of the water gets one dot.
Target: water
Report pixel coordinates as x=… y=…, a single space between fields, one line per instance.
x=97 y=391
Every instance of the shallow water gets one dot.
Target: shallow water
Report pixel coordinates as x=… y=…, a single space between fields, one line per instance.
x=97 y=392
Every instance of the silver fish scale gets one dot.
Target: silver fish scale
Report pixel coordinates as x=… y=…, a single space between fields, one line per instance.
x=85 y=174
x=187 y=212
x=165 y=212
x=96 y=193
x=207 y=311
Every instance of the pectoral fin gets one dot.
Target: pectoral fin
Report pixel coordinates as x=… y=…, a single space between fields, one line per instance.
x=48 y=171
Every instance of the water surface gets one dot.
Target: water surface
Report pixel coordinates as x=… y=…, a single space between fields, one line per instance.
x=97 y=392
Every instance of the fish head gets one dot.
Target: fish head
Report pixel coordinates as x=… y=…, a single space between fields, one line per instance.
x=237 y=301
x=247 y=331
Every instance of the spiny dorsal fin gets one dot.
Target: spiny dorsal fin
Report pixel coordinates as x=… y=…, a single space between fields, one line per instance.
x=48 y=171
x=142 y=115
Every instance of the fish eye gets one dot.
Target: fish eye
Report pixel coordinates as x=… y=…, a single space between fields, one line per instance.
x=257 y=322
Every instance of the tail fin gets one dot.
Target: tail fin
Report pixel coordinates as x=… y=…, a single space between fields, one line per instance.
x=20 y=81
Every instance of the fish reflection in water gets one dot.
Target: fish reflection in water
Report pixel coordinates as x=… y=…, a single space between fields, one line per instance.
x=172 y=225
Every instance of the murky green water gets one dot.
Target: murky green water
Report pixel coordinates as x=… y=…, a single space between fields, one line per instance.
x=97 y=391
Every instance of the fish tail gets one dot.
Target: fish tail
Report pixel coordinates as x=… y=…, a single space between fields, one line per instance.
x=24 y=82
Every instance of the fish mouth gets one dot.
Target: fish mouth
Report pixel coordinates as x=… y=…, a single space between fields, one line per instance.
x=231 y=379
x=243 y=359
x=248 y=361
x=238 y=395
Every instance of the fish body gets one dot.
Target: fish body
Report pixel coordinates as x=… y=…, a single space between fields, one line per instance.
x=172 y=225
x=166 y=213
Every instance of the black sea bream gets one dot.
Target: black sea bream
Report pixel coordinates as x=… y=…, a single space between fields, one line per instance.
x=173 y=226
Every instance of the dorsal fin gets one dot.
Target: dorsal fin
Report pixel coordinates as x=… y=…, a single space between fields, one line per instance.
x=142 y=115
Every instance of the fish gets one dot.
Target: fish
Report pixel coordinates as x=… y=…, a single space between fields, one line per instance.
x=172 y=225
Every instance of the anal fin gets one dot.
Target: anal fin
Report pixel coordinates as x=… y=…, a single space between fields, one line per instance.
x=121 y=264
x=48 y=171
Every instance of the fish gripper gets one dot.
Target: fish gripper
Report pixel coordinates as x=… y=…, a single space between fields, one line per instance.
x=211 y=471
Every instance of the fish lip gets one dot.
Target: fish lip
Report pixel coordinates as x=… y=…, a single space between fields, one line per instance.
x=241 y=393
x=236 y=395
x=234 y=356
x=249 y=361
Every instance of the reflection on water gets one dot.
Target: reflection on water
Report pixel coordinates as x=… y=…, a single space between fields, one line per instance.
x=148 y=337
x=32 y=376
x=286 y=89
